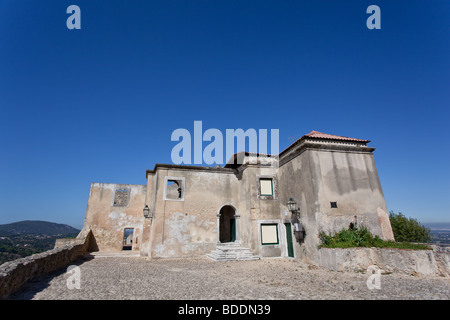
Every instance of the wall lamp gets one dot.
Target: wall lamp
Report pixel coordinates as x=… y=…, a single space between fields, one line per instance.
x=147 y=212
x=299 y=232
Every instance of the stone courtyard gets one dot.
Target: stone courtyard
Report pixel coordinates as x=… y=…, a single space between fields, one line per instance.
x=135 y=278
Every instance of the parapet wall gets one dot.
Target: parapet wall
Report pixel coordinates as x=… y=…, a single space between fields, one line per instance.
x=433 y=262
x=15 y=273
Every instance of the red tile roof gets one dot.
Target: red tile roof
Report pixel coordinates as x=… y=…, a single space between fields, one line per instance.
x=320 y=135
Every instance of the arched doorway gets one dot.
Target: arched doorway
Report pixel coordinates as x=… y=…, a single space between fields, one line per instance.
x=227 y=224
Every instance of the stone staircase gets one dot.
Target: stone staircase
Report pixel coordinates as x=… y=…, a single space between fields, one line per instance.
x=231 y=251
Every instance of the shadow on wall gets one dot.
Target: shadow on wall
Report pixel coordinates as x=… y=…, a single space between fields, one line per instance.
x=92 y=246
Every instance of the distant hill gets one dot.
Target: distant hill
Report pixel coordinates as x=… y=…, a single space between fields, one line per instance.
x=31 y=227
x=440 y=232
x=23 y=238
x=438 y=225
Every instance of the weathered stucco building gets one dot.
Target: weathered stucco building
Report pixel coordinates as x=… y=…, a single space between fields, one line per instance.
x=192 y=210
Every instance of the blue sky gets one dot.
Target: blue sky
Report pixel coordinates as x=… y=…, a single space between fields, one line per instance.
x=99 y=104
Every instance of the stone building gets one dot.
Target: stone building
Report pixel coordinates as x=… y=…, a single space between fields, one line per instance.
x=243 y=210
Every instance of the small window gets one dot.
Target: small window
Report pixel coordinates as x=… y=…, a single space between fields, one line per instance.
x=266 y=186
x=269 y=234
x=174 y=189
x=121 y=198
x=333 y=204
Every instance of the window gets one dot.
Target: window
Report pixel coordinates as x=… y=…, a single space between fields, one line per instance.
x=333 y=204
x=266 y=186
x=121 y=198
x=174 y=188
x=269 y=234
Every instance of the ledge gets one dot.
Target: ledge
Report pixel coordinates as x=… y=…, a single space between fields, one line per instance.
x=189 y=167
x=14 y=274
x=413 y=262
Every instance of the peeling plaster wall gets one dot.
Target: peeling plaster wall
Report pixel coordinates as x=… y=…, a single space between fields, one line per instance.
x=257 y=210
x=189 y=227
x=108 y=222
x=315 y=177
x=351 y=180
x=298 y=180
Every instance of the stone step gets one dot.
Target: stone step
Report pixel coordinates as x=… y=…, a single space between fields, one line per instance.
x=215 y=258
x=231 y=251
x=236 y=249
x=117 y=254
x=231 y=255
x=231 y=258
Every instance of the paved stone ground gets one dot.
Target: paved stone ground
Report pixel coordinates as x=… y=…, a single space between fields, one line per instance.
x=201 y=278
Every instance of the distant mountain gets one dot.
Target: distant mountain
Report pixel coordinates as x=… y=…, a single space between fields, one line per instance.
x=438 y=225
x=31 y=227
x=23 y=238
x=440 y=232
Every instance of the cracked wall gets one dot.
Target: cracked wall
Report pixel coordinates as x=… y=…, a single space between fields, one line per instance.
x=108 y=218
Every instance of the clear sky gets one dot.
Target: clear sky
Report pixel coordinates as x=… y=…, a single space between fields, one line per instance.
x=100 y=104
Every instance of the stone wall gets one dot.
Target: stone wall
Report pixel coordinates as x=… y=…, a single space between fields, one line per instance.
x=59 y=243
x=111 y=209
x=15 y=273
x=413 y=262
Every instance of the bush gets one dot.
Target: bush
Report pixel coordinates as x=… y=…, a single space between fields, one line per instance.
x=361 y=237
x=408 y=229
x=351 y=237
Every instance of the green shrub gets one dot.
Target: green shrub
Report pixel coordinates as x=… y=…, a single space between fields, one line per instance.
x=408 y=229
x=361 y=237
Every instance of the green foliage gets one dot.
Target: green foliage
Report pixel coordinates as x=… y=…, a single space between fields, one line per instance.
x=18 y=246
x=361 y=237
x=408 y=229
x=24 y=238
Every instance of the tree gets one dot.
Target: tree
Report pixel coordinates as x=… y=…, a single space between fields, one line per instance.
x=408 y=229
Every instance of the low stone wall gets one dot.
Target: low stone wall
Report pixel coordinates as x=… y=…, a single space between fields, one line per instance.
x=59 y=243
x=415 y=262
x=15 y=273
